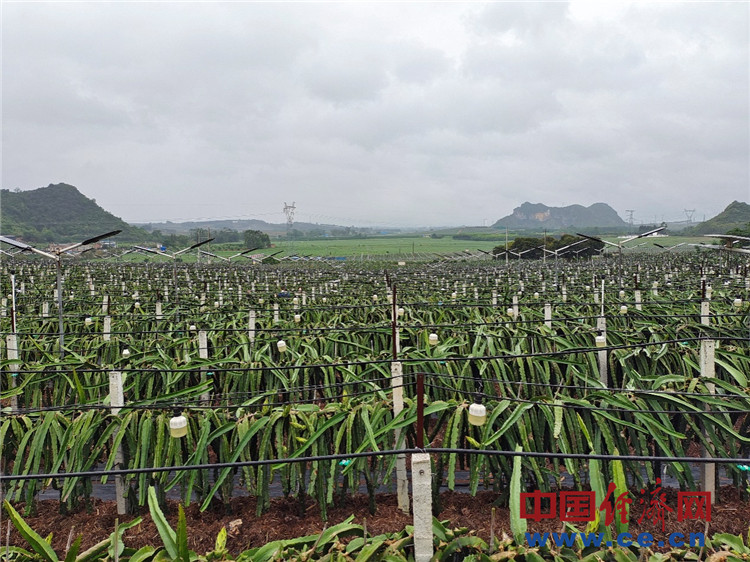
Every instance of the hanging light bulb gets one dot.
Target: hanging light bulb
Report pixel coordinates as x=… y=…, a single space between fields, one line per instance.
x=433 y=339
x=295 y=300
x=126 y=353
x=88 y=321
x=737 y=303
x=400 y=311
x=178 y=425
x=281 y=346
x=297 y=318
x=477 y=413
x=601 y=341
x=192 y=327
x=623 y=309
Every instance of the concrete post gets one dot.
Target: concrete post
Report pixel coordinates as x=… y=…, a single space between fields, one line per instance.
x=548 y=315
x=402 y=484
x=107 y=328
x=251 y=326
x=117 y=401
x=601 y=326
x=708 y=369
x=12 y=347
x=203 y=354
x=421 y=482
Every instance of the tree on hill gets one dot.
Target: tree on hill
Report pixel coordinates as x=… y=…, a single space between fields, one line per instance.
x=532 y=247
x=59 y=213
x=256 y=239
x=736 y=215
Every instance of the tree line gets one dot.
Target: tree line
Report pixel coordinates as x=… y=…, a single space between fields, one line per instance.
x=567 y=246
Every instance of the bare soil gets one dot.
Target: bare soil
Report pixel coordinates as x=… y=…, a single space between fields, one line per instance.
x=730 y=514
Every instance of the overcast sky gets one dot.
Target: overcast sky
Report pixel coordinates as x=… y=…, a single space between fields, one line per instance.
x=378 y=113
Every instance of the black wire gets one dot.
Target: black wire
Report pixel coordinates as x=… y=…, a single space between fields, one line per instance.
x=592 y=408
x=198 y=404
x=265 y=462
x=406 y=360
x=595 y=388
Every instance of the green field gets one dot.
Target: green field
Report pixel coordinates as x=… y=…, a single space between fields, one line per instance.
x=382 y=246
x=420 y=247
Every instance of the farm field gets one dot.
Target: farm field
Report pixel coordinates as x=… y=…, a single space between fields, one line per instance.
x=411 y=248
x=423 y=247
x=284 y=375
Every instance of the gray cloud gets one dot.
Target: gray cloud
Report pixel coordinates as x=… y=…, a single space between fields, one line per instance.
x=378 y=113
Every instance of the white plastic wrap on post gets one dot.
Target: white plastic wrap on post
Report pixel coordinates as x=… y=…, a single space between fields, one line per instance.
x=515 y=307
x=45 y=309
x=601 y=326
x=107 y=328
x=548 y=315
x=117 y=401
x=637 y=297
x=494 y=298
x=402 y=484
x=105 y=304
x=708 y=369
x=158 y=311
x=275 y=313
x=12 y=346
x=251 y=326
x=421 y=484
x=203 y=354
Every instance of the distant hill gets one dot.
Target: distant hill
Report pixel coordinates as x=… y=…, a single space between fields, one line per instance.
x=736 y=215
x=58 y=213
x=537 y=216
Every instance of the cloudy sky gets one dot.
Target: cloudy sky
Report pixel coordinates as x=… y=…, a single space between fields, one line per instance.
x=404 y=113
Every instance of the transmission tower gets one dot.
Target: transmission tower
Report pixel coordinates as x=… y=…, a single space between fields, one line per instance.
x=630 y=216
x=689 y=214
x=289 y=212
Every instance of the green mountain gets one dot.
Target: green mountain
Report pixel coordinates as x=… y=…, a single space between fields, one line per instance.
x=58 y=213
x=536 y=216
x=736 y=215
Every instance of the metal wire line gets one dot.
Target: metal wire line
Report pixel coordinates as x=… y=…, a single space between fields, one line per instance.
x=592 y=408
x=406 y=360
x=389 y=452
